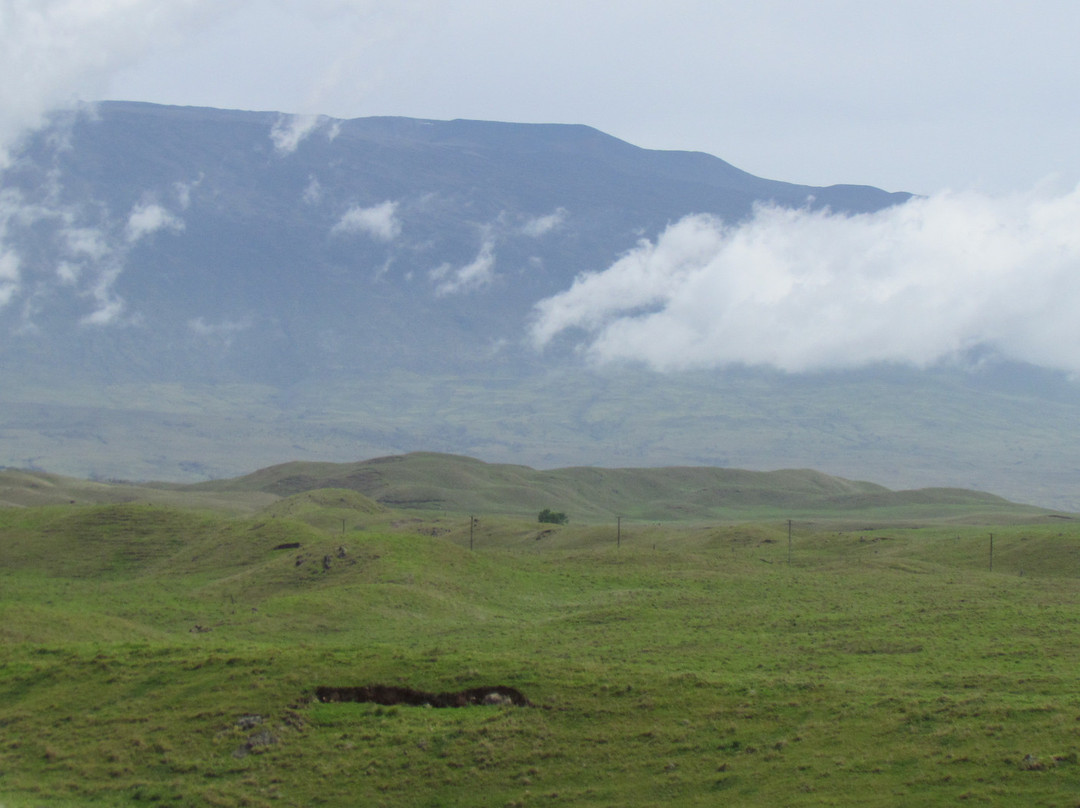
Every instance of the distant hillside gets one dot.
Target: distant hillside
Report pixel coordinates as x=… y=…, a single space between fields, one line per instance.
x=29 y=489
x=453 y=484
x=429 y=485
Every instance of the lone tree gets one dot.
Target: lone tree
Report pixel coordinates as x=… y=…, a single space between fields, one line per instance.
x=553 y=517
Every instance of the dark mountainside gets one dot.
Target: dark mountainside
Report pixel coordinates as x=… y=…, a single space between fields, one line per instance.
x=199 y=297
x=258 y=286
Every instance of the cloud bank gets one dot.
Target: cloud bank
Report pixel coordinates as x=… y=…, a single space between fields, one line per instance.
x=799 y=290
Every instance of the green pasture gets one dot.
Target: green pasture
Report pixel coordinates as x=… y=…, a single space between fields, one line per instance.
x=158 y=655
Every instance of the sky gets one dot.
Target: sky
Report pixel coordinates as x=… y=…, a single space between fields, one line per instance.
x=970 y=104
x=919 y=96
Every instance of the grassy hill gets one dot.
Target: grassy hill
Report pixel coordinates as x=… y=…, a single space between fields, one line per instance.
x=153 y=654
x=34 y=488
x=454 y=484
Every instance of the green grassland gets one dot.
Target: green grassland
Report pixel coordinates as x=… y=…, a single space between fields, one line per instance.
x=166 y=652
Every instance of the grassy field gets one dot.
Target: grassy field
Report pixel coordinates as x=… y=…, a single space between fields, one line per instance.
x=152 y=654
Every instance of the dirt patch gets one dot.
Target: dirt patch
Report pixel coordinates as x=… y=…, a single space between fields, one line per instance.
x=434 y=532
x=392 y=695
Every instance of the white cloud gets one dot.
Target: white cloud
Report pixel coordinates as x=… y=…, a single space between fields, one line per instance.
x=800 y=290
x=542 y=225
x=10 y=204
x=147 y=218
x=85 y=242
x=183 y=191
x=57 y=54
x=68 y=273
x=9 y=276
x=379 y=221
x=289 y=131
x=200 y=327
x=313 y=192
x=54 y=53
x=108 y=310
x=472 y=276
x=77 y=248
x=108 y=306
x=222 y=332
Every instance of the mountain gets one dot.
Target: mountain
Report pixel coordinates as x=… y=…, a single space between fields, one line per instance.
x=370 y=244
x=191 y=293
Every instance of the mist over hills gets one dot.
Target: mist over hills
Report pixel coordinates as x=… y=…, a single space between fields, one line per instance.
x=192 y=293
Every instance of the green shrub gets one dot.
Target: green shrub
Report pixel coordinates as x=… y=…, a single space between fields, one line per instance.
x=553 y=517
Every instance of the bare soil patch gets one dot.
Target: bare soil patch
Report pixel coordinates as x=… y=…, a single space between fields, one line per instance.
x=394 y=695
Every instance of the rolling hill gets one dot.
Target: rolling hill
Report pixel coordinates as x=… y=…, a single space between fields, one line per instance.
x=452 y=484
x=431 y=485
x=165 y=655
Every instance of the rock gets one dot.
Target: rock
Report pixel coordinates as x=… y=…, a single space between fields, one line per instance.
x=249 y=721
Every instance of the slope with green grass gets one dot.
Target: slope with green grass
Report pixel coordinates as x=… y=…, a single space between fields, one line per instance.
x=153 y=654
x=35 y=488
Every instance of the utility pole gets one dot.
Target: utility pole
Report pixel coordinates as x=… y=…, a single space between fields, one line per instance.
x=472 y=524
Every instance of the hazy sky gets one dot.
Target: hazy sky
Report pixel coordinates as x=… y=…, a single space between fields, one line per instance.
x=918 y=95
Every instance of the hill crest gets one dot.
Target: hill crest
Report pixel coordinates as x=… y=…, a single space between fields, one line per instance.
x=457 y=484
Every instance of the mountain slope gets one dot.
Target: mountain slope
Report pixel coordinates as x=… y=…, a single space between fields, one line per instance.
x=199 y=293
x=205 y=253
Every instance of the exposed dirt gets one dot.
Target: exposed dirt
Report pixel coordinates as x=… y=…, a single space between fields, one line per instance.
x=391 y=695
